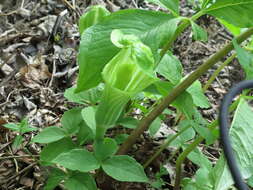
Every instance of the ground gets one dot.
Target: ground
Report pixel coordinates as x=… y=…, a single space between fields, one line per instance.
x=38 y=48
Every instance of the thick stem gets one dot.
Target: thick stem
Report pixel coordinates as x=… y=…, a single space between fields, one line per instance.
x=146 y=121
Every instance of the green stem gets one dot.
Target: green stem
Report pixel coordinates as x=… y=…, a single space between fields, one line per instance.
x=192 y=146
x=146 y=121
x=216 y=73
x=164 y=146
x=185 y=153
x=100 y=133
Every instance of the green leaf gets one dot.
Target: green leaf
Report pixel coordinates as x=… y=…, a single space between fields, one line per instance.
x=49 y=134
x=170 y=67
x=198 y=32
x=12 y=126
x=241 y=136
x=172 y=5
x=189 y=133
x=198 y=158
x=153 y=28
x=71 y=119
x=228 y=10
x=91 y=96
x=105 y=149
x=245 y=59
x=235 y=30
x=128 y=122
x=77 y=159
x=124 y=168
x=17 y=142
x=155 y=126
x=88 y=115
x=55 y=177
x=198 y=96
x=84 y=134
x=80 y=181
x=94 y=15
x=120 y=138
x=52 y=150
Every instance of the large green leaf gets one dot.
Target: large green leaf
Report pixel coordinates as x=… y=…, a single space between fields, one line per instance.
x=241 y=133
x=80 y=181
x=236 y=12
x=124 y=168
x=77 y=159
x=96 y=48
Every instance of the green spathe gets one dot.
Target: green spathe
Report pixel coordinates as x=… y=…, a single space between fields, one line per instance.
x=129 y=72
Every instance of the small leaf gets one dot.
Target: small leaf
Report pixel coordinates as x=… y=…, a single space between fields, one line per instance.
x=77 y=159
x=80 y=181
x=124 y=168
x=128 y=122
x=245 y=59
x=52 y=150
x=155 y=126
x=170 y=67
x=105 y=149
x=49 y=134
x=84 y=134
x=121 y=138
x=94 y=15
x=88 y=115
x=12 y=126
x=17 y=142
x=198 y=96
x=71 y=120
x=55 y=177
x=198 y=32
x=91 y=96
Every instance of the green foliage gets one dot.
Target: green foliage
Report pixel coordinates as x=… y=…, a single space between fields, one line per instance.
x=21 y=128
x=246 y=60
x=120 y=56
x=153 y=32
x=93 y=16
x=228 y=10
x=124 y=168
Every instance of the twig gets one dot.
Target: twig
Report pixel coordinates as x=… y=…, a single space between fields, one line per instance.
x=22 y=156
x=19 y=173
